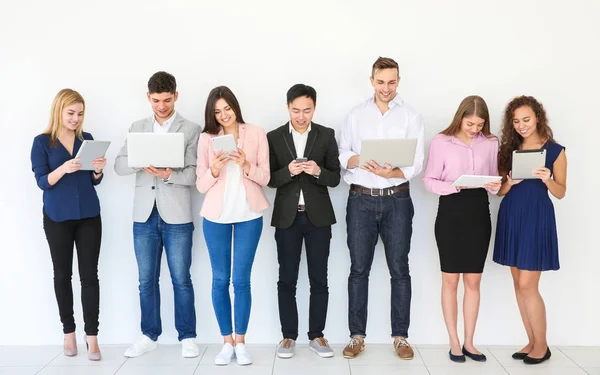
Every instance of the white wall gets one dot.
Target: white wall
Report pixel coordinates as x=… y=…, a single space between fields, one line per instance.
x=107 y=50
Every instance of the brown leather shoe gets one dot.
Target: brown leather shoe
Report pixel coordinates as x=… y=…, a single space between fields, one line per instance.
x=353 y=349
x=403 y=349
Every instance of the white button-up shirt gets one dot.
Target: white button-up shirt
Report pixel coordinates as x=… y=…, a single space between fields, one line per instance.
x=365 y=121
x=300 y=145
x=164 y=128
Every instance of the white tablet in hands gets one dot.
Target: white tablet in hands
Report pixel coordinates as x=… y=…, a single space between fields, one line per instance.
x=89 y=151
x=524 y=162
x=469 y=180
x=224 y=143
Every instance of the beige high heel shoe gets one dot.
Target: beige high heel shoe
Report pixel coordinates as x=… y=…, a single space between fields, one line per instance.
x=92 y=356
x=70 y=352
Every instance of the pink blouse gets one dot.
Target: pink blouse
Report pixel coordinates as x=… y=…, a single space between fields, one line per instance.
x=449 y=158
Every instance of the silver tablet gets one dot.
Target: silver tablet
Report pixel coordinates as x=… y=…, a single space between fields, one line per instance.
x=525 y=161
x=160 y=150
x=224 y=143
x=89 y=151
x=396 y=152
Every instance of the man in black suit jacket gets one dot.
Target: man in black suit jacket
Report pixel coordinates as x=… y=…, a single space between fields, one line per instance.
x=304 y=162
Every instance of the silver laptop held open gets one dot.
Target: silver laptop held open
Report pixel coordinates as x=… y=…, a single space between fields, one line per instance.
x=160 y=150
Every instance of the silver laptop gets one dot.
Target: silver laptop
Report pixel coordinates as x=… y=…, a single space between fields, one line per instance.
x=396 y=152
x=160 y=150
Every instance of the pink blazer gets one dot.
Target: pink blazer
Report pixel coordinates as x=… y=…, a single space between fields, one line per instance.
x=253 y=140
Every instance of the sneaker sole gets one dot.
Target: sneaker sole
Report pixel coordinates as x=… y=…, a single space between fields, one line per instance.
x=285 y=355
x=352 y=357
x=140 y=354
x=322 y=355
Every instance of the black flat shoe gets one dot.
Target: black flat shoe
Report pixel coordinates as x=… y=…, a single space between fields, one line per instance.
x=475 y=357
x=519 y=355
x=456 y=358
x=536 y=361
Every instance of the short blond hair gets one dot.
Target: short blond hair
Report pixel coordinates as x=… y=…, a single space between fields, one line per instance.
x=384 y=63
x=64 y=98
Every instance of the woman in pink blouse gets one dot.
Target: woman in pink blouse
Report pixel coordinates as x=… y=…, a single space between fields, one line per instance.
x=463 y=225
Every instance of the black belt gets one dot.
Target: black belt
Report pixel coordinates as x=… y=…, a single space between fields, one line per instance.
x=383 y=192
x=301 y=208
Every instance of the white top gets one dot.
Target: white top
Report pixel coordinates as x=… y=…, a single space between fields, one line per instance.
x=365 y=121
x=300 y=145
x=164 y=128
x=235 y=205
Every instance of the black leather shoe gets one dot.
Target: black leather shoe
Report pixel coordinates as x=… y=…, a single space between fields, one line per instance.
x=475 y=357
x=536 y=361
x=519 y=355
x=456 y=358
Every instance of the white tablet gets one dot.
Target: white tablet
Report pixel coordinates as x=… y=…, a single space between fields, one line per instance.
x=89 y=151
x=396 y=152
x=470 y=180
x=525 y=161
x=160 y=150
x=224 y=143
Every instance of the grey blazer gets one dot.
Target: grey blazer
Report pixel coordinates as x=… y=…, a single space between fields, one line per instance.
x=173 y=198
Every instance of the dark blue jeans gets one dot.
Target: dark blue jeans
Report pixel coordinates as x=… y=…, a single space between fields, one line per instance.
x=148 y=240
x=367 y=218
x=218 y=238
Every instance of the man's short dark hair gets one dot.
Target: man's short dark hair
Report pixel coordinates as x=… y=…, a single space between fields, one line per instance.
x=162 y=82
x=299 y=90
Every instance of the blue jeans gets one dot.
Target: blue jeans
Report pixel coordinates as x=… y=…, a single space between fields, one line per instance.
x=148 y=240
x=367 y=218
x=245 y=241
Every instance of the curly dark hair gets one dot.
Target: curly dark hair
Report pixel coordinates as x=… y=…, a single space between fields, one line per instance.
x=510 y=139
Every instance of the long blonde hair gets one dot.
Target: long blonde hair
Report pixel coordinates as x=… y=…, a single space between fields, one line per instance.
x=64 y=98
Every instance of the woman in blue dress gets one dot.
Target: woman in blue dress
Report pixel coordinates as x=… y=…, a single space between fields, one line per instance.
x=526 y=238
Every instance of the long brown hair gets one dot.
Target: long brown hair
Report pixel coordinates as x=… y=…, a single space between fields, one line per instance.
x=211 y=126
x=471 y=105
x=64 y=98
x=511 y=140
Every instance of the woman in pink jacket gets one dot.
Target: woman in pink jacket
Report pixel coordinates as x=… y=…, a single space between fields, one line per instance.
x=232 y=209
x=463 y=226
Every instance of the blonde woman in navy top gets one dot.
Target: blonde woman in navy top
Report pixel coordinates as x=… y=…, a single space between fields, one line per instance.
x=71 y=214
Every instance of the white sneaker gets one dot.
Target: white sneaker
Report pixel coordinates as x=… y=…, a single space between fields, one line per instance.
x=225 y=355
x=141 y=346
x=189 y=348
x=243 y=357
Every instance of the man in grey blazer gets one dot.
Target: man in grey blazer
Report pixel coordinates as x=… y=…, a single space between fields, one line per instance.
x=162 y=217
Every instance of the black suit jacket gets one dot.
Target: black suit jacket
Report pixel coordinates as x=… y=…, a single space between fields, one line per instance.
x=321 y=147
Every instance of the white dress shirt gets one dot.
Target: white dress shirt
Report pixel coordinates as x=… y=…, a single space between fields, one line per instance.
x=164 y=128
x=365 y=121
x=300 y=145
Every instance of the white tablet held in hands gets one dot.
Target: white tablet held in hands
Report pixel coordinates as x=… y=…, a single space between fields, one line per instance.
x=224 y=143
x=396 y=152
x=89 y=151
x=160 y=150
x=524 y=162
x=470 y=180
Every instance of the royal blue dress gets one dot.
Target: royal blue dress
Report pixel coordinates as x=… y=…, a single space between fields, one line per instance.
x=526 y=235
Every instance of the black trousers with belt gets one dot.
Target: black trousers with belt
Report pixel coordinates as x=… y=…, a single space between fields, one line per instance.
x=289 y=250
x=86 y=235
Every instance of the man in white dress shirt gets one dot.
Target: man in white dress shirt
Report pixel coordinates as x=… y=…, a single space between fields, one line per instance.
x=379 y=204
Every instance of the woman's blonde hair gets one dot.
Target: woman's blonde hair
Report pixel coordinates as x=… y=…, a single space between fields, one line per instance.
x=64 y=98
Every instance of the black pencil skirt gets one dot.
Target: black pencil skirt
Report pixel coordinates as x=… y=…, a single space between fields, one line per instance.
x=462 y=231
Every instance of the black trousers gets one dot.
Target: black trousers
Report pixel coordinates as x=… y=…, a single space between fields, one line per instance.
x=86 y=235
x=289 y=250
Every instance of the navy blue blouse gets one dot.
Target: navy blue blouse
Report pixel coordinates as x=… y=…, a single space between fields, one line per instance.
x=74 y=196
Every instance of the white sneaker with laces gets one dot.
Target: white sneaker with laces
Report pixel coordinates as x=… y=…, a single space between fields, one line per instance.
x=189 y=348
x=225 y=355
x=243 y=357
x=142 y=345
